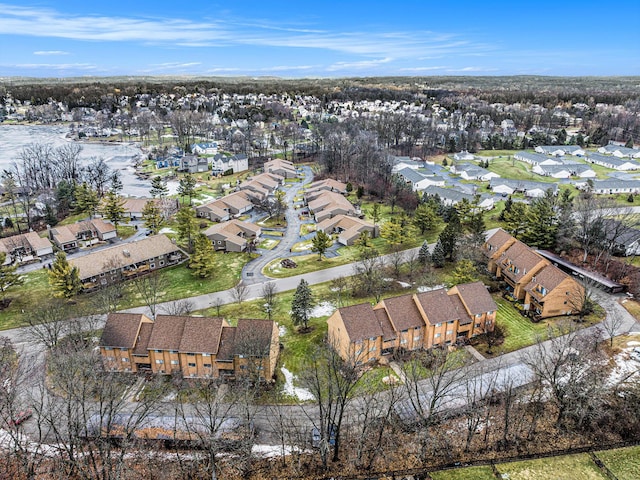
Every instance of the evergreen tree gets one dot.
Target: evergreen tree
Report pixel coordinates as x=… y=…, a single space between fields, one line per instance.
x=116 y=182
x=465 y=272
x=425 y=218
x=64 y=198
x=542 y=225
x=187 y=226
x=392 y=231
x=516 y=219
x=507 y=207
x=158 y=187
x=202 y=261
x=87 y=200
x=8 y=277
x=63 y=278
x=424 y=256
x=152 y=217
x=375 y=213
x=113 y=208
x=302 y=304
x=477 y=228
x=320 y=243
x=187 y=186
x=629 y=143
x=449 y=238
x=438 y=256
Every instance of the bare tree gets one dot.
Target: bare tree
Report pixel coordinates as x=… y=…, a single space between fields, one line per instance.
x=332 y=381
x=151 y=288
x=239 y=292
x=50 y=322
x=338 y=286
x=178 y=307
x=269 y=296
x=571 y=368
x=217 y=303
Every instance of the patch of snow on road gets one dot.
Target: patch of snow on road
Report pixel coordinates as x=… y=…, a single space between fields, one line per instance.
x=290 y=389
x=270 y=451
x=322 y=310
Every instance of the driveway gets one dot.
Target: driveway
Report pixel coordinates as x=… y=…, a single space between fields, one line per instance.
x=252 y=271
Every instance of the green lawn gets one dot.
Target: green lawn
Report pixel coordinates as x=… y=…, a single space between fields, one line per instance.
x=273 y=222
x=268 y=244
x=471 y=473
x=569 y=467
x=623 y=462
x=180 y=284
x=517 y=170
x=304 y=246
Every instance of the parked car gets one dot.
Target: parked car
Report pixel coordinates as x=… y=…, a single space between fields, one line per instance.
x=316 y=437
x=22 y=416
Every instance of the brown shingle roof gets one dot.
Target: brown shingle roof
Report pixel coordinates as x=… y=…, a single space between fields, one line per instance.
x=520 y=256
x=549 y=277
x=227 y=344
x=124 y=254
x=383 y=319
x=201 y=335
x=360 y=322
x=253 y=337
x=120 y=330
x=495 y=242
x=403 y=312
x=142 y=344
x=476 y=298
x=439 y=307
x=167 y=332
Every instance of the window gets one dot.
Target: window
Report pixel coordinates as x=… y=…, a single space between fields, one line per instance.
x=152 y=265
x=159 y=361
x=161 y=263
x=403 y=341
x=125 y=360
x=438 y=325
x=173 y=351
x=478 y=315
x=219 y=242
x=477 y=325
x=123 y=349
x=451 y=322
x=449 y=332
x=108 y=348
x=158 y=351
x=191 y=354
x=373 y=348
x=192 y=364
x=174 y=362
x=206 y=354
x=207 y=365
x=437 y=335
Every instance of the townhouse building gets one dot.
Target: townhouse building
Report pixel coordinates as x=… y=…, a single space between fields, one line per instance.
x=364 y=333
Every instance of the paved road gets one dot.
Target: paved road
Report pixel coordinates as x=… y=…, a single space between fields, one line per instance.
x=252 y=272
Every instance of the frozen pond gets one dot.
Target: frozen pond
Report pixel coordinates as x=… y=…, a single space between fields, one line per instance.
x=13 y=138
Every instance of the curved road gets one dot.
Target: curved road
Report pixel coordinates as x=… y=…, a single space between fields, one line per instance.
x=252 y=272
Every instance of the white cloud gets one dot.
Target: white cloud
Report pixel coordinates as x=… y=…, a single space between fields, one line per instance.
x=472 y=69
x=358 y=65
x=57 y=66
x=50 y=52
x=45 y=22
x=422 y=69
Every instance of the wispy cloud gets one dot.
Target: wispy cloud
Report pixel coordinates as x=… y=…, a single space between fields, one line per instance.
x=57 y=66
x=46 y=22
x=423 y=69
x=364 y=64
x=50 y=52
x=472 y=69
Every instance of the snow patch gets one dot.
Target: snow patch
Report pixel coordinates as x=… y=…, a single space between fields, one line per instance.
x=167 y=230
x=271 y=451
x=282 y=330
x=322 y=310
x=290 y=389
x=424 y=288
x=404 y=284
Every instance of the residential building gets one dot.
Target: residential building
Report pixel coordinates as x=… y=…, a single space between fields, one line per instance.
x=612 y=161
x=195 y=347
x=222 y=163
x=543 y=289
x=560 y=150
x=348 y=228
x=25 y=247
x=329 y=204
x=205 y=148
x=554 y=171
x=127 y=260
x=85 y=233
x=226 y=207
x=464 y=156
x=193 y=164
x=468 y=171
x=452 y=196
x=609 y=187
x=620 y=151
x=283 y=168
x=536 y=158
x=133 y=207
x=233 y=235
x=362 y=333
x=507 y=186
x=328 y=184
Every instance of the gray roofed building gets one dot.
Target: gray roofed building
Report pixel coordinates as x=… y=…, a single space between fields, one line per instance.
x=529 y=188
x=606 y=187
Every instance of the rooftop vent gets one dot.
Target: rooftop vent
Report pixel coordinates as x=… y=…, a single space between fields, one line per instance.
x=126 y=253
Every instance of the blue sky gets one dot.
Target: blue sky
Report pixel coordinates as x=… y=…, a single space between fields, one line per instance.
x=62 y=38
